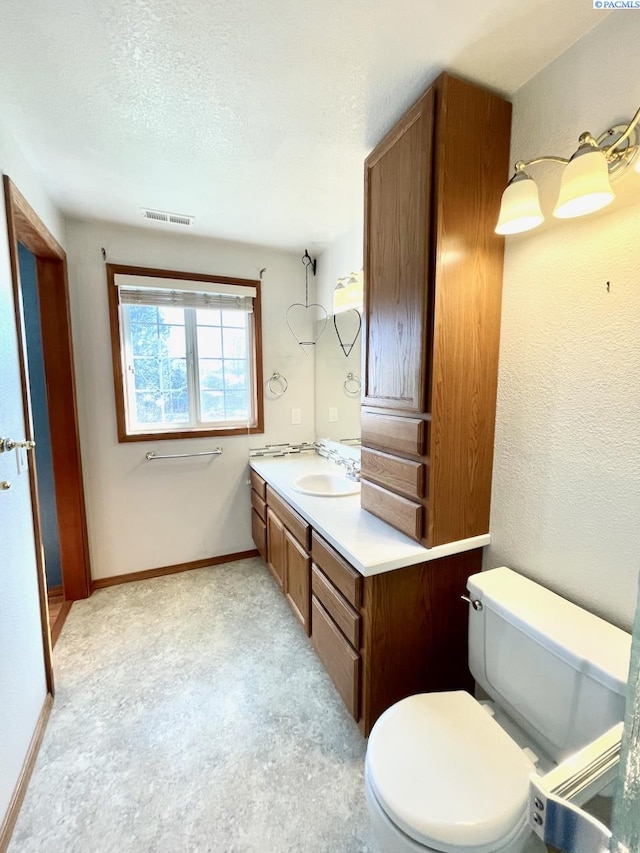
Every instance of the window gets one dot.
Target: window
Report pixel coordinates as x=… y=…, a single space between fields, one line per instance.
x=186 y=354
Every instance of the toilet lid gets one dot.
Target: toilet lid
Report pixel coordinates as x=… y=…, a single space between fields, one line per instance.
x=446 y=773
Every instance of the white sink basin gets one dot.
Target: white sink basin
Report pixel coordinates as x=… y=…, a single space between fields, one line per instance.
x=326 y=485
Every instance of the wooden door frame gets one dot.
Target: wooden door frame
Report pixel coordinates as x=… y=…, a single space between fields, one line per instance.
x=25 y=226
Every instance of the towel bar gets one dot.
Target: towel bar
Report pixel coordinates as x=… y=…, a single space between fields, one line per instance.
x=150 y=456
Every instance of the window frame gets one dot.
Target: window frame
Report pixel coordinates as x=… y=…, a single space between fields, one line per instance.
x=118 y=353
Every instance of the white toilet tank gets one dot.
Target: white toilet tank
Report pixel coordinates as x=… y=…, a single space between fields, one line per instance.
x=558 y=671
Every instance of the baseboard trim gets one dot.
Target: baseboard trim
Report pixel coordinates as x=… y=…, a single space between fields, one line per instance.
x=9 y=822
x=115 y=580
x=59 y=623
x=53 y=591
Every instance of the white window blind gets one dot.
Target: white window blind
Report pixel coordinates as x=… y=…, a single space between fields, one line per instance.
x=185 y=299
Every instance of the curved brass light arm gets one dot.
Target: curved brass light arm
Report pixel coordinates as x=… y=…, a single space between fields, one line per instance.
x=521 y=165
x=611 y=149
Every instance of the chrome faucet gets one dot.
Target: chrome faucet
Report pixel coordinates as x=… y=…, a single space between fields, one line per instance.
x=353 y=469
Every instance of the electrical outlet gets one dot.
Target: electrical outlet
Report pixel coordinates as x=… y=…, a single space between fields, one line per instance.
x=296 y=416
x=333 y=414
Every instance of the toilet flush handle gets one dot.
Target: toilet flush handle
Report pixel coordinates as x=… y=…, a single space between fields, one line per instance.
x=474 y=602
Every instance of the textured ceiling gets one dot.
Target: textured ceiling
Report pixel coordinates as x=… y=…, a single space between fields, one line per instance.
x=252 y=115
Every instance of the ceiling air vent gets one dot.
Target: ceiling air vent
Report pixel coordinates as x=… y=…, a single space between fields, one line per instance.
x=171 y=218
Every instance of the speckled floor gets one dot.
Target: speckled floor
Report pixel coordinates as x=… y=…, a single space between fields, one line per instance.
x=192 y=715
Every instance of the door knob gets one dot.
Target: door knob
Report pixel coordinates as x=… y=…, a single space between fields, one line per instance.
x=5 y=485
x=9 y=444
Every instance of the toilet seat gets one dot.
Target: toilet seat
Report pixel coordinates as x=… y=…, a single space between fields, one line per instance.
x=447 y=775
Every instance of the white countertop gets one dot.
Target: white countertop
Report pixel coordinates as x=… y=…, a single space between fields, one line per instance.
x=367 y=542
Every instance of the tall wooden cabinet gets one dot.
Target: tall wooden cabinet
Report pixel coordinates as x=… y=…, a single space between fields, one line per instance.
x=433 y=286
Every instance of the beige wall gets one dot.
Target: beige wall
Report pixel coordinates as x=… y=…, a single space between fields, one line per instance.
x=144 y=515
x=566 y=488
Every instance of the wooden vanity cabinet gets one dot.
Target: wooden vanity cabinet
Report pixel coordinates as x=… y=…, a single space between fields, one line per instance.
x=433 y=285
x=387 y=636
x=380 y=637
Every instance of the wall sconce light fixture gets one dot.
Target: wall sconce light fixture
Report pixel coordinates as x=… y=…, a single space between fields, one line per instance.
x=586 y=180
x=349 y=293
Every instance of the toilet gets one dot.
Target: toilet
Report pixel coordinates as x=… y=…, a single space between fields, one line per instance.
x=447 y=773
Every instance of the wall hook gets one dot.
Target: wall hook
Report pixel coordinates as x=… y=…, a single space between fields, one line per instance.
x=308 y=261
x=296 y=314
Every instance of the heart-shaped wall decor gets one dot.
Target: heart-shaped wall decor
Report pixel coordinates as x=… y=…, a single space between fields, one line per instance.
x=301 y=322
x=347 y=329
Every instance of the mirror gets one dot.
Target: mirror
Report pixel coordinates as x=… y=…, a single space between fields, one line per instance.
x=338 y=355
x=337 y=395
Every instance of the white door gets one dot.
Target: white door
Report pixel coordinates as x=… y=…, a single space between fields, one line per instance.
x=23 y=686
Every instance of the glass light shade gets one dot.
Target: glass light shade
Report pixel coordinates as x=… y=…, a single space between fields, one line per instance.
x=520 y=207
x=349 y=293
x=585 y=184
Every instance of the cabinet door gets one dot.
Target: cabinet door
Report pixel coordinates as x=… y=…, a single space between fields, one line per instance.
x=397 y=258
x=259 y=533
x=297 y=586
x=339 y=658
x=275 y=546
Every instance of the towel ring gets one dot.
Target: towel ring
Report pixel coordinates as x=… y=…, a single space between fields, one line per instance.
x=279 y=378
x=352 y=384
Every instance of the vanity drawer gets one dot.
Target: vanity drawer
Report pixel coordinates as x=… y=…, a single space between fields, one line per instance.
x=404 y=435
x=259 y=505
x=259 y=533
x=394 y=472
x=258 y=484
x=338 y=657
x=342 y=613
x=295 y=524
x=339 y=572
x=401 y=513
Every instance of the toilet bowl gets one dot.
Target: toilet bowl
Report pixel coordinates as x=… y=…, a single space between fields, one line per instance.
x=442 y=775
x=393 y=840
